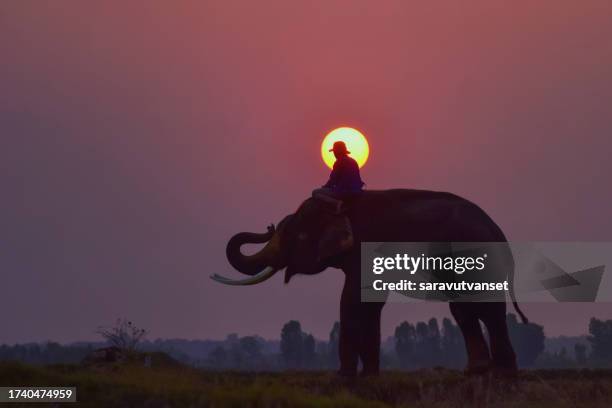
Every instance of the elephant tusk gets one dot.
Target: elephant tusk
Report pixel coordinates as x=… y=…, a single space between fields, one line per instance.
x=266 y=274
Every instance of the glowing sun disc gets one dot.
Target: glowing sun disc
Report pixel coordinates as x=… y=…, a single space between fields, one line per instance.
x=355 y=141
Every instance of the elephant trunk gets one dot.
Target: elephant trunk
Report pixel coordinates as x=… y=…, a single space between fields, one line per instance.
x=260 y=266
x=250 y=264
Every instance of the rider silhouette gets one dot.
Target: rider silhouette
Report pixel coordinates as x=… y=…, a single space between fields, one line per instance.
x=344 y=178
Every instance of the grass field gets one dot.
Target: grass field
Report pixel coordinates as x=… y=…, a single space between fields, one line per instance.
x=176 y=386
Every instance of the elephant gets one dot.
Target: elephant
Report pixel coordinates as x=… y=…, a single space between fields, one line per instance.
x=306 y=242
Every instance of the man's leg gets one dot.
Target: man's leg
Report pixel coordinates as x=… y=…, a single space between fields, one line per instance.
x=327 y=195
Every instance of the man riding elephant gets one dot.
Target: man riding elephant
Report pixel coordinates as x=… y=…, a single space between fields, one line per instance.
x=344 y=178
x=307 y=242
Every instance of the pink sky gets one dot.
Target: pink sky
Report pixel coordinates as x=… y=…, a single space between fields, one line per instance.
x=138 y=137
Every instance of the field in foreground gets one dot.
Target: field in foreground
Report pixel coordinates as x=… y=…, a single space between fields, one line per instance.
x=175 y=386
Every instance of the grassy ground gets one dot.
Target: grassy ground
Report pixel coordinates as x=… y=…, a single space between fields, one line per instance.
x=173 y=386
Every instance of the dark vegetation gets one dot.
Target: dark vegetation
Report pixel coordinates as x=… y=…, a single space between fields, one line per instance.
x=413 y=346
x=161 y=385
x=154 y=379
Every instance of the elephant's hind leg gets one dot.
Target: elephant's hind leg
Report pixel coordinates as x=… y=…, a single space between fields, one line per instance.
x=504 y=358
x=466 y=316
x=359 y=330
x=369 y=349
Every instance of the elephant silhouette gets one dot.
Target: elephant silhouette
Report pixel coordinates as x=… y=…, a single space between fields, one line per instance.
x=306 y=242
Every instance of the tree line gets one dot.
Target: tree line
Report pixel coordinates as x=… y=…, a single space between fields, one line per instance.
x=47 y=353
x=412 y=346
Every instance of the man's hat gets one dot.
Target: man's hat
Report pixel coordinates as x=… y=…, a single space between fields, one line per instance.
x=339 y=147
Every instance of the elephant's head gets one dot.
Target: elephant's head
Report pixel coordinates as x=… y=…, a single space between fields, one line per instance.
x=305 y=242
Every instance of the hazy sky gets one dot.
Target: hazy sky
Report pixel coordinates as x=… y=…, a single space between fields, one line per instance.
x=137 y=137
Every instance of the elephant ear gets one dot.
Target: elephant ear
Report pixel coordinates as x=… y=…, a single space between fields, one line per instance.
x=337 y=237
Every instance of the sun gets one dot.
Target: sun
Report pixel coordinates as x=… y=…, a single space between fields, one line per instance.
x=355 y=142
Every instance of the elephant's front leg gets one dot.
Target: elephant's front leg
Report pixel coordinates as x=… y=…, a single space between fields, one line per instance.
x=369 y=349
x=349 y=328
x=359 y=330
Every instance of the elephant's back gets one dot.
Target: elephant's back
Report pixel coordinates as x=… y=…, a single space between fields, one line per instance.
x=411 y=195
x=423 y=215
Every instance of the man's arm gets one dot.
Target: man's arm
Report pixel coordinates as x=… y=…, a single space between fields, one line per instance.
x=333 y=177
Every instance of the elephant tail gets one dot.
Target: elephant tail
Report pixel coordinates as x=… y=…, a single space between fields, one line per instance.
x=513 y=296
x=518 y=310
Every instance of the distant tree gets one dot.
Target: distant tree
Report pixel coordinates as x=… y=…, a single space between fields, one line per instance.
x=291 y=344
x=600 y=337
x=527 y=339
x=405 y=344
x=251 y=348
x=53 y=352
x=433 y=342
x=452 y=345
x=49 y=353
x=555 y=360
x=124 y=335
x=332 y=346
x=232 y=338
x=298 y=349
x=5 y=353
x=236 y=355
x=34 y=355
x=422 y=350
x=217 y=358
x=308 y=351
x=387 y=360
x=580 y=354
